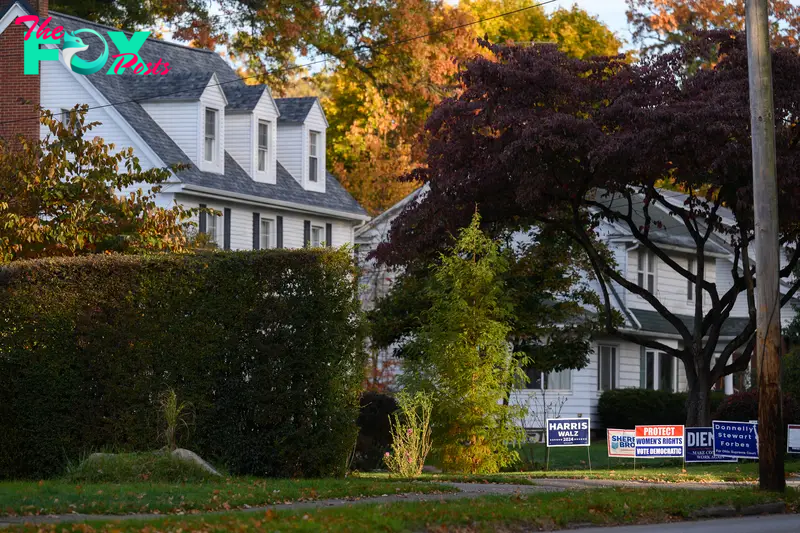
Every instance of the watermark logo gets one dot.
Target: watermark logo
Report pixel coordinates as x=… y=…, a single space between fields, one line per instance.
x=71 y=44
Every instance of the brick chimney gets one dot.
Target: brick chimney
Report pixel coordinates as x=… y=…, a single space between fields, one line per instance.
x=17 y=86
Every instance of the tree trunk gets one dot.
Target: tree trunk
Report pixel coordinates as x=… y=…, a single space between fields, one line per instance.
x=698 y=404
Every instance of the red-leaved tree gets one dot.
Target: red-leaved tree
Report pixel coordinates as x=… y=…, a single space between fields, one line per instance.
x=538 y=138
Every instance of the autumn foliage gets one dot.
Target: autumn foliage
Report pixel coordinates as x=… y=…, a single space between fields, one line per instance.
x=71 y=194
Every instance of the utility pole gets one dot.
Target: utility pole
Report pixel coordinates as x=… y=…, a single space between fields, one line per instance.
x=765 y=200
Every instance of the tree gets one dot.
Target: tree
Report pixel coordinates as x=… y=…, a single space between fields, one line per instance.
x=576 y=32
x=658 y=24
x=538 y=137
x=62 y=195
x=463 y=359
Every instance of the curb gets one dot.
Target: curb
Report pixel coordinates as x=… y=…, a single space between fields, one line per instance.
x=728 y=511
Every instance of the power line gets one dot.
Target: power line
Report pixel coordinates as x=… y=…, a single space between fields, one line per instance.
x=312 y=63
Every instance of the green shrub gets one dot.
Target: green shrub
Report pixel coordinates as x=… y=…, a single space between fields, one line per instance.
x=374 y=430
x=265 y=346
x=627 y=408
x=743 y=407
x=156 y=467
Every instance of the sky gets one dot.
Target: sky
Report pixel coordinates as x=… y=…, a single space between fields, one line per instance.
x=611 y=12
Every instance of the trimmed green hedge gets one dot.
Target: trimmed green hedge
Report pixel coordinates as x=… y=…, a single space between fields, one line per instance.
x=265 y=345
x=627 y=408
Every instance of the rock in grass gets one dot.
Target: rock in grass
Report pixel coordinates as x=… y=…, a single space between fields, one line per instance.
x=190 y=456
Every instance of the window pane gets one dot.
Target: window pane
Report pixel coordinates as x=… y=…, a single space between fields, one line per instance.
x=651 y=262
x=211 y=123
x=263 y=135
x=262 y=160
x=558 y=380
x=641 y=261
x=647 y=370
x=266 y=234
x=316 y=237
x=534 y=378
x=689 y=284
x=666 y=372
x=607 y=373
x=312 y=169
x=312 y=149
x=651 y=283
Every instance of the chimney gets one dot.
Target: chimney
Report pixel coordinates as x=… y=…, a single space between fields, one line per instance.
x=20 y=95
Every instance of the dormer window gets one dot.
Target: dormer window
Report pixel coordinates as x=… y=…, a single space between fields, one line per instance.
x=211 y=135
x=313 y=157
x=263 y=145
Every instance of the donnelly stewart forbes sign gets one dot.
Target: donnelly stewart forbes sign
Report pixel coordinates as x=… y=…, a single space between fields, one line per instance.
x=659 y=441
x=568 y=432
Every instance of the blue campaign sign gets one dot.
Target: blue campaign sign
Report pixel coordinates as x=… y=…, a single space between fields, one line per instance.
x=735 y=439
x=700 y=447
x=568 y=432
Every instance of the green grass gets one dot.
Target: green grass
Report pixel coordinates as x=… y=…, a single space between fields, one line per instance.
x=58 y=497
x=546 y=511
x=572 y=463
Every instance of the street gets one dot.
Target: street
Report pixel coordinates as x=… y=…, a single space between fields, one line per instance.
x=750 y=524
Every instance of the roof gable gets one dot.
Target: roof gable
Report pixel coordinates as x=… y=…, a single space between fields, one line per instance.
x=297 y=109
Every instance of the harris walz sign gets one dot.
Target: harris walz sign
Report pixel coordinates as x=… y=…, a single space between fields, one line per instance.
x=567 y=432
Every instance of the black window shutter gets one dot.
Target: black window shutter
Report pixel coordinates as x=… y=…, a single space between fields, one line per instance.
x=202 y=219
x=256 y=231
x=306 y=233
x=226 y=222
x=328 y=235
x=279 y=230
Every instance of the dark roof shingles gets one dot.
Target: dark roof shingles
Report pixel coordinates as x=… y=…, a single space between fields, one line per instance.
x=192 y=65
x=294 y=109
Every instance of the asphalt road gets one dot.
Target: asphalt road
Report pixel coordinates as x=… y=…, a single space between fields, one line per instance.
x=783 y=523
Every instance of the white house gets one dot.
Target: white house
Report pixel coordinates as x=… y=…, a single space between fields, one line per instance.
x=615 y=363
x=258 y=160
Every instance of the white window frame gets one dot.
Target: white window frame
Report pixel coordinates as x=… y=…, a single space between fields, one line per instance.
x=320 y=230
x=691 y=266
x=210 y=155
x=266 y=239
x=213 y=225
x=646 y=270
x=313 y=156
x=614 y=367
x=656 y=376
x=262 y=150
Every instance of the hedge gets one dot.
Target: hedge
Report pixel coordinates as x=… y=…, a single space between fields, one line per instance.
x=266 y=346
x=627 y=408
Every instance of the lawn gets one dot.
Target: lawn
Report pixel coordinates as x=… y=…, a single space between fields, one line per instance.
x=60 y=496
x=545 y=511
x=573 y=463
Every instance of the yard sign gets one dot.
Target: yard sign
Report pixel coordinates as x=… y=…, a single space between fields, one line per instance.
x=700 y=447
x=621 y=442
x=735 y=439
x=567 y=432
x=659 y=441
x=793 y=440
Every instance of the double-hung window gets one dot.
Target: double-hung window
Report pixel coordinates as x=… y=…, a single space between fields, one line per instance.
x=657 y=370
x=313 y=156
x=646 y=271
x=606 y=367
x=212 y=226
x=317 y=236
x=266 y=233
x=263 y=145
x=210 y=146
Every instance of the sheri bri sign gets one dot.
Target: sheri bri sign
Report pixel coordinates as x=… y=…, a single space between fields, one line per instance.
x=700 y=447
x=568 y=432
x=621 y=442
x=659 y=441
x=735 y=439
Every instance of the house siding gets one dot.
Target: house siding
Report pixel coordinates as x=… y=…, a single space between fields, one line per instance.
x=181 y=121
x=290 y=149
x=240 y=140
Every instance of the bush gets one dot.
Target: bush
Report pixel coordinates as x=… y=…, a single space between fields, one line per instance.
x=627 y=408
x=158 y=467
x=374 y=430
x=411 y=435
x=265 y=346
x=743 y=407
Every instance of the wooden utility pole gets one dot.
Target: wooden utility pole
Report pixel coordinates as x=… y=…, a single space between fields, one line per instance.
x=765 y=199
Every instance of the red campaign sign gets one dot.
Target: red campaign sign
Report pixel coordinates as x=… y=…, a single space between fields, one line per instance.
x=659 y=441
